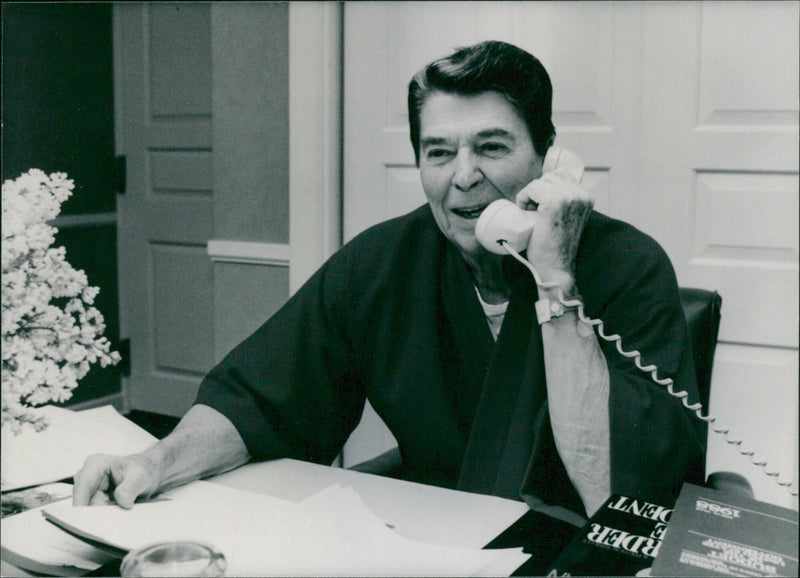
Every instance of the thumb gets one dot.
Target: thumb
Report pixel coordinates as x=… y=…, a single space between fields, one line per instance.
x=126 y=493
x=125 y=497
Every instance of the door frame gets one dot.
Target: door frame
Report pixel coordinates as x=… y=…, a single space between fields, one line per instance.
x=315 y=136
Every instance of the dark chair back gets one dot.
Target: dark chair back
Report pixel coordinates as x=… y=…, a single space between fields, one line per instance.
x=702 y=310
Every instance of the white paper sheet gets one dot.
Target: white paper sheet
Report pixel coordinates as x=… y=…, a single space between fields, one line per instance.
x=332 y=533
x=29 y=541
x=419 y=512
x=32 y=458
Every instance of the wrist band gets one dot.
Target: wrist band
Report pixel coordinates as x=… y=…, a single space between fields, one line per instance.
x=546 y=309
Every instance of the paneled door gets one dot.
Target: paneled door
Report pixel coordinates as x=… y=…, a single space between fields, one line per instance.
x=686 y=117
x=164 y=102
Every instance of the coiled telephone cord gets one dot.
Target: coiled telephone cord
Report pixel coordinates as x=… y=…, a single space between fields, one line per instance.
x=696 y=408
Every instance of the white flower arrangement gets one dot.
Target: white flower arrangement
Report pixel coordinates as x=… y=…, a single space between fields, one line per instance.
x=51 y=331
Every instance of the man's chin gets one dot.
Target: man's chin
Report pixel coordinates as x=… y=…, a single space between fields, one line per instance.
x=469 y=245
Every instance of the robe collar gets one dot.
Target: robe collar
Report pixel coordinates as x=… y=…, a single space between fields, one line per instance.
x=506 y=378
x=510 y=451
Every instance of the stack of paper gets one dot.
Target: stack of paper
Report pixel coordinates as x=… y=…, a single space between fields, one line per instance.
x=331 y=533
x=33 y=543
x=33 y=458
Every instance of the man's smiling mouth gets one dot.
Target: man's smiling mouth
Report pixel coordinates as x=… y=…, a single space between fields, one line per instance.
x=469 y=212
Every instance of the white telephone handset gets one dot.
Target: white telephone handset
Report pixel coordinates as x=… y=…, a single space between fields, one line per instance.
x=559 y=157
x=504 y=221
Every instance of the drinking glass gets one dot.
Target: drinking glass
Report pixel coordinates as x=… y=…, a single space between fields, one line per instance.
x=174 y=559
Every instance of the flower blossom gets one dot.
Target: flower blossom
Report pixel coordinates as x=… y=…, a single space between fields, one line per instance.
x=51 y=331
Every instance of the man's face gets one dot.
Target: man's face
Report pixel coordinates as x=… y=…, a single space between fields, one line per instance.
x=473 y=150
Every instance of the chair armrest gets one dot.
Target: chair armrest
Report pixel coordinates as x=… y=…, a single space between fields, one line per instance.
x=731 y=482
x=389 y=464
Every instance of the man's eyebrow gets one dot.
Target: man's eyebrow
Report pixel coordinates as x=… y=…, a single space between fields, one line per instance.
x=487 y=133
x=494 y=132
x=433 y=141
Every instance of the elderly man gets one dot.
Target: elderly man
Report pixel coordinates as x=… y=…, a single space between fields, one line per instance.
x=443 y=337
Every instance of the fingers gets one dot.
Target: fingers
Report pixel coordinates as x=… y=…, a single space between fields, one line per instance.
x=104 y=477
x=99 y=498
x=92 y=481
x=561 y=206
x=135 y=483
x=524 y=199
x=125 y=497
x=551 y=191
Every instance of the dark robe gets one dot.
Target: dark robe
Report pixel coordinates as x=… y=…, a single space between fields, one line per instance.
x=393 y=317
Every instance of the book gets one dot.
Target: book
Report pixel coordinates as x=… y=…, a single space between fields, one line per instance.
x=622 y=538
x=33 y=458
x=715 y=533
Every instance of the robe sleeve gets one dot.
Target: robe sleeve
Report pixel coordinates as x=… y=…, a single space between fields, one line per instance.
x=290 y=388
x=656 y=443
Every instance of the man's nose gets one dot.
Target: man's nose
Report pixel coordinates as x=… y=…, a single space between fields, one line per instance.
x=467 y=173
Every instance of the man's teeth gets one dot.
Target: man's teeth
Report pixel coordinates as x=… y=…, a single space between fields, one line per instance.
x=470 y=213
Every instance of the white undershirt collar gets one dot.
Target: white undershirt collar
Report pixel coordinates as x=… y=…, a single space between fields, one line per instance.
x=495 y=313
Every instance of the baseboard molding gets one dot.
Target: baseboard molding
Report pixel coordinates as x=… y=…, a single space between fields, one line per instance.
x=117 y=400
x=249 y=252
x=83 y=220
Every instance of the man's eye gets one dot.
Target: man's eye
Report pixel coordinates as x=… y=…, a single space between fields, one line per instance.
x=493 y=148
x=437 y=153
